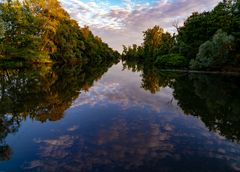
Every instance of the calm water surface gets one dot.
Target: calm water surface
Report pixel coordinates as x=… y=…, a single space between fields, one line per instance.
x=118 y=119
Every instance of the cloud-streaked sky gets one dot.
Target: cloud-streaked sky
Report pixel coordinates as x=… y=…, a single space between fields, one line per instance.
x=120 y=22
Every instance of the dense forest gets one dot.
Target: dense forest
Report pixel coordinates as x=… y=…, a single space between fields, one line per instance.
x=42 y=31
x=206 y=41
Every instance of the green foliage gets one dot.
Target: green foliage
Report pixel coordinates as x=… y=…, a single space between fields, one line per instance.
x=133 y=52
x=215 y=53
x=21 y=40
x=171 y=61
x=42 y=31
x=200 y=27
x=11 y=64
x=2 y=28
x=208 y=40
x=156 y=43
x=193 y=34
x=152 y=40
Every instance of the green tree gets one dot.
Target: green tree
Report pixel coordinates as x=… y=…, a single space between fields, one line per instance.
x=2 y=28
x=152 y=40
x=156 y=42
x=200 y=27
x=215 y=53
x=197 y=42
x=21 y=40
x=50 y=14
x=40 y=30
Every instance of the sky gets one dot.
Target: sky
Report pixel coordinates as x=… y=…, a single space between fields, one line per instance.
x=122 y=22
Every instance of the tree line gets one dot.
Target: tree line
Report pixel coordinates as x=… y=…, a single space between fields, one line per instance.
x=206 y=41
x=42 y=31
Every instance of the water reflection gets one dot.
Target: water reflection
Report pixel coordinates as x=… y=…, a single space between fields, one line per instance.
x=143 y=120
x=213 y=98
x=8 y=124
x=41 y=93
x=148 y=143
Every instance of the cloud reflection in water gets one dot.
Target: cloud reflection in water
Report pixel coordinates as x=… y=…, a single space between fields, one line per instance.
x=142 y=131
x=124 y=90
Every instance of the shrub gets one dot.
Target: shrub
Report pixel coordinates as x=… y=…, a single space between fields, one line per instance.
x=214 y=53
x=171 y=61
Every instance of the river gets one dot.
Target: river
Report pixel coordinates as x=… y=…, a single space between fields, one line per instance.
x=117 y=119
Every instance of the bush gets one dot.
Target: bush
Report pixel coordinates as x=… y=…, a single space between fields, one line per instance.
x=171 y=61
x=204 y=57
x=215 y=53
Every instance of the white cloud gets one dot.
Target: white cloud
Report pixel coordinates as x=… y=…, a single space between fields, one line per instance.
x=124 y=23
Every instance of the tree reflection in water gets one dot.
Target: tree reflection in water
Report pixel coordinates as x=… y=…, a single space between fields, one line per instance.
x=213 y=98
x=133 y=136
x=41 y=93
x=149 y=141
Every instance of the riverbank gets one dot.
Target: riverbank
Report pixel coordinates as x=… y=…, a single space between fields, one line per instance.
x=234 y=72
x=22 y=64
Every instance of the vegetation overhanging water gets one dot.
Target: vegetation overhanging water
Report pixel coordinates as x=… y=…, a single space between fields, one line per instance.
x=86 y=111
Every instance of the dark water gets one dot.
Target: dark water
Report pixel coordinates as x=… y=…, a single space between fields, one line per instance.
x=92 y=118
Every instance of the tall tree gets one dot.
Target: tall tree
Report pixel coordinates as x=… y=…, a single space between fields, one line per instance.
x=152 y=40
x=21 y=40
x=41 y=30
